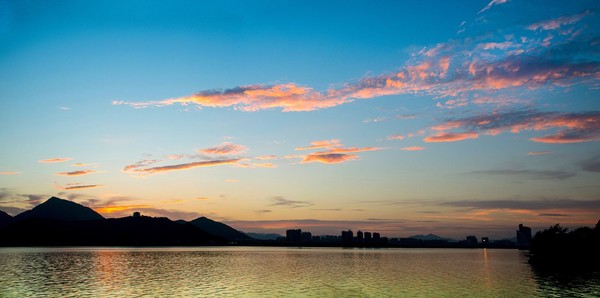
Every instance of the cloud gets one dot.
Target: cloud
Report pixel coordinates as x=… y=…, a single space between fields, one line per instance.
x=571 y=127
x=413 y=148
x=10 y=173
x=281 y=201
x=591 y=164
x=54 y=160
x=553 y=215
x=450 y=137
x=539 y=152
x=536 y=205
x=558 y=22
x=290 y=97
x=328 y=158
x=77 y=173
x=325 y=144
x=140 y=169
x=395 y=137
x=73 y=187
x=224 y=148
x=374 y=120
x=263 y=211
x=9 y=197
x=454 y=71
x=492 y=3
x=266 y=157
x=535 y=174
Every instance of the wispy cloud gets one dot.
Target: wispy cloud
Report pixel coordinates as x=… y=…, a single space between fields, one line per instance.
x=461 y=70
x=10 y=173
x=572 y=127
x=54 y=160
x=77 y=173
x=324 y=144
x=492 y=3
x=266 y=157
x=281 y=201
x=74 y=187
x=225 y=148
x=539 y=152
x=395 y=137
x=413 y=148
x=559 y=22
x=557 y=204
x=141 y=169
x=535 y=174
x=591 y=164
x=450 y=137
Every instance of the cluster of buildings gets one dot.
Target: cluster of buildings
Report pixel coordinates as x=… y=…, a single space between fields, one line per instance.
x=297 y=236
x=348 y=238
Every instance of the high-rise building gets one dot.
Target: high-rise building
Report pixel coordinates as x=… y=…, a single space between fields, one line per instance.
x=368 y=237
x=347 y=236
x=523 y=236
x=293 y=235
x=306 y=237
x=359 y=236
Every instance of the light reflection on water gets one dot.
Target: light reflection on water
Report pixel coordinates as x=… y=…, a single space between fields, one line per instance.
x=279 y=271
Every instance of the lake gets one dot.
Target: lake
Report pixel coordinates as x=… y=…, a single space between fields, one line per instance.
x=280 y=272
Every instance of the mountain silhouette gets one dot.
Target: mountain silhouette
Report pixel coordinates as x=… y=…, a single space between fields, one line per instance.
x=264 y=236
x=58 y=222
x=431 y=237
x=59 y=209
x=5 y=219
x=219 y=229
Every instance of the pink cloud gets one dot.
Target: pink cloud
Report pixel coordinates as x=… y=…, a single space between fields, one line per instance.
x=140 y=169
x=224 y=149
x=571 y=127
x=328 y=158
x=558 y=22
x=266 y=157
x=9 y=173
x=55 y=160
x=450 y=137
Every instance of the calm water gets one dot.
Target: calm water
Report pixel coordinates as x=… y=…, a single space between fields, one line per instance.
x=277 y=272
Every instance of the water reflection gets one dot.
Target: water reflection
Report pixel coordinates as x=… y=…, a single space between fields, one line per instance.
x=247 y=271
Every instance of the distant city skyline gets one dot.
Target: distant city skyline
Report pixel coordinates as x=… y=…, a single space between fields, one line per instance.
x=402 y=117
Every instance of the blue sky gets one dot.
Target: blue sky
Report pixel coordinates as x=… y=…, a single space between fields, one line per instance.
x=407 y=117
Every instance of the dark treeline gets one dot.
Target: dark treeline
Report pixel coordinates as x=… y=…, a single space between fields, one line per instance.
x=559 y=248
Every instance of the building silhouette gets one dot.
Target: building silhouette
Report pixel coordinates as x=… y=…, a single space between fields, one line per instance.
x=359 y=236
x=293 y=235
x=485 y=241
x=347 y=236
x=305 y=237
x=523 y=237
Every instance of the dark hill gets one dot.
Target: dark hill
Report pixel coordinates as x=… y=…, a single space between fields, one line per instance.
x=431 y=237
x=127 y=231
x=219 y=229
x=59 y=209
x=5 y=219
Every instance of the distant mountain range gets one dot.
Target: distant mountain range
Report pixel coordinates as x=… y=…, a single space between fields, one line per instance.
x=263 y=236
x=62 y=222
x=431 y=237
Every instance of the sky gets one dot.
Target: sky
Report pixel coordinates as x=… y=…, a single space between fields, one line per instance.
x=399 y=117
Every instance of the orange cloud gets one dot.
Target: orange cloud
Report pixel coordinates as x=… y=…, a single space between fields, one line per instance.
x=76 y=173
x=54 y=160
x=450 y=137
x=114 y=209
x=413 y=148
x=289 y=97
x=322 y=144
x=10 y=173
x=224 y=149
x=139 y=169
x=328 y=158
x=334 y=152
